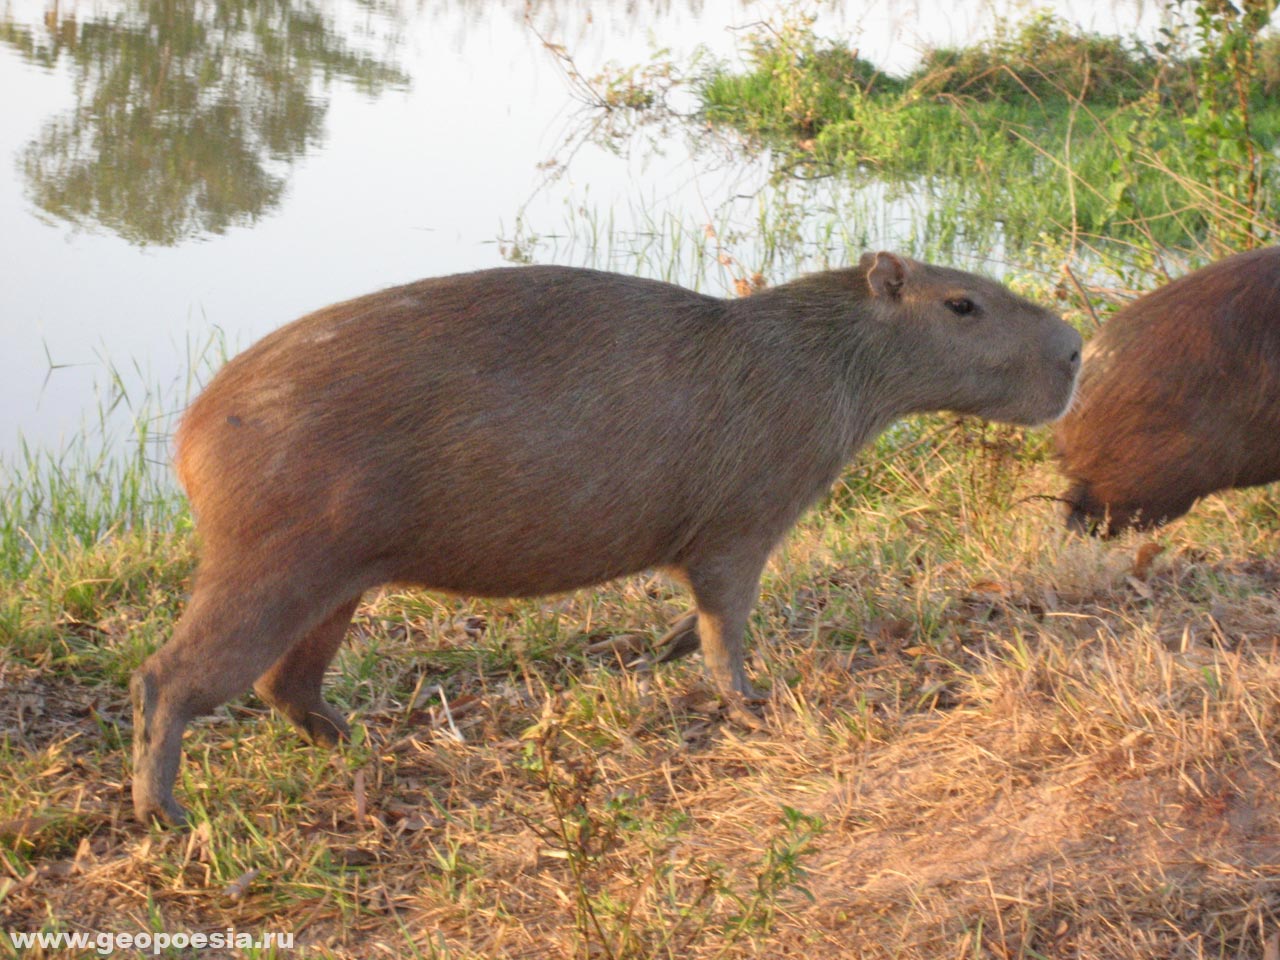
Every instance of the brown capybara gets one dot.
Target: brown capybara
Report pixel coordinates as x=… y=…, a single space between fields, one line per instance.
x=530 y=430
x=1179 y=397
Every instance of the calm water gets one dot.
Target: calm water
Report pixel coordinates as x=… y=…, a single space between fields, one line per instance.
x=177 y=170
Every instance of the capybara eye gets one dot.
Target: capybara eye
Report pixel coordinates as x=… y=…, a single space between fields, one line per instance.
x=961 y=306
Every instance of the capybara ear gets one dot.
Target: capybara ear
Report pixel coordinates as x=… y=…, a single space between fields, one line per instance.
x=886 y=276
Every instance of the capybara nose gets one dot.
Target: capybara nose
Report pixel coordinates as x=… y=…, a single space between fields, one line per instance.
x=1079 y=521
x=1073 y=362
x=1071 y=344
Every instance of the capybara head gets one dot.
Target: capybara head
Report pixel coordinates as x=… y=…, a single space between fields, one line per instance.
x=1179 y=397
x=975 y=347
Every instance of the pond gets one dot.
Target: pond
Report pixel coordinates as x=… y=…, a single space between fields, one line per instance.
x=181 y=176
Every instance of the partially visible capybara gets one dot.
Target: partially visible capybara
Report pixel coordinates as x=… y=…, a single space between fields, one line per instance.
x=524 y=431
x=1179 y=397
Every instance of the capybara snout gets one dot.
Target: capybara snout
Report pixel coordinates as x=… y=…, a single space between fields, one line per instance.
x=1179 y=397
x=524 y=431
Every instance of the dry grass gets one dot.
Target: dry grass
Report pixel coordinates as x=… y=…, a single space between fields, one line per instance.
x=983 y=740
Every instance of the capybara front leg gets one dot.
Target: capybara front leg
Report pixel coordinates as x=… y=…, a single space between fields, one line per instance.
x=725 y=595
x=293 y=683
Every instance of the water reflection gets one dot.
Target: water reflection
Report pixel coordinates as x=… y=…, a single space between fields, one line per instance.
x=188 y=114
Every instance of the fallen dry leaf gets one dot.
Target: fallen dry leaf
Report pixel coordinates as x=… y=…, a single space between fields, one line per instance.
x=362 y=801
x=1146 y=554
x=1140 y=588
x=989 y=588
x=240 y=885
x=622 y=645
x=23 y=827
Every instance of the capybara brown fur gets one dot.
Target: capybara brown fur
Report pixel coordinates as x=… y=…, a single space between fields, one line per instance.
x=1179 y=397
x=529 y=430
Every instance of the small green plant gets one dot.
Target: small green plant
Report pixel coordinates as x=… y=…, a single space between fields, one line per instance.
x=1223 y=129
x=797 y=82
x=781 y=871
x=668 y=907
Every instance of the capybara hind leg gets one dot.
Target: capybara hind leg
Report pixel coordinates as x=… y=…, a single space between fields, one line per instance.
x=157 y=747
x=293 y=683
x=680 y=640
x=220 y=645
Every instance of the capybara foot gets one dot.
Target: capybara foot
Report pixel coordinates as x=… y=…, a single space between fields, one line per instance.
x=163 y=810
x=680 y=641
x=325 y=726
x=311 y=716
x=732 y=683
x=742 y=709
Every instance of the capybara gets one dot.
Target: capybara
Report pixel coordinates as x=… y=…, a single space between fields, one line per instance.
x=1179 y=397
x=529 y=430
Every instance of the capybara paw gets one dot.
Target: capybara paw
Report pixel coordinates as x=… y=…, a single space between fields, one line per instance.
x=325 y=727
x=162 y=810
x=743 y=692
x=680 y=641
x=744 y=710
x=732 y=685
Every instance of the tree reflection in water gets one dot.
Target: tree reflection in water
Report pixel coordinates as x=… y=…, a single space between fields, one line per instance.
x=189 y=113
